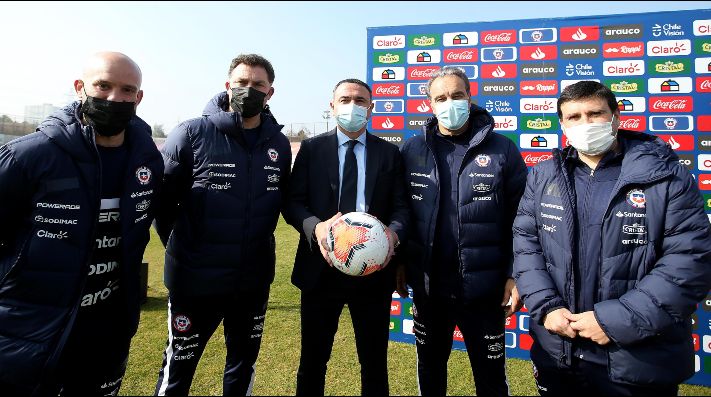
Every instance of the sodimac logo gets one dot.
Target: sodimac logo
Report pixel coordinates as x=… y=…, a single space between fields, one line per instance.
x=675 y=85
x=623 y=50
x=580 y=33
x=538 y=52
x=461 y=55
x=498 y=37
x=539 y=87
x=460 y=39
x=388 y=90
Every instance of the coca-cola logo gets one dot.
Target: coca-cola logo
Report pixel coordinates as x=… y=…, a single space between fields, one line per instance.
x=498 y=37
x=468 y=55
x=382 y=90
x=421 y=73
x=533 y=158
x=703 y=84
x=633 y=123
x=671 y=104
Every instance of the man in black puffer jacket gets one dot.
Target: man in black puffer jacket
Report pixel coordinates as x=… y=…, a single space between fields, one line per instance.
x=225 y=184
x=612 y=254
x=76 y=204
x=464 y=184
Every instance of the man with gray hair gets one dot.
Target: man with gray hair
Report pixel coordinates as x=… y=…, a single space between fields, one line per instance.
x=75 y=208
x=464 y=182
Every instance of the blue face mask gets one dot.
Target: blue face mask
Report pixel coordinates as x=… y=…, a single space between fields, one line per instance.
x=452 y=114
x=352 y=117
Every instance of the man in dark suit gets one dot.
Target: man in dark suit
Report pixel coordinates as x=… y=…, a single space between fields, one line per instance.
x=346 y=169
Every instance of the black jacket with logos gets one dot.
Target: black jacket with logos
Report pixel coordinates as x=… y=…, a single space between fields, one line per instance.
x=50 y=196
x=221 y=202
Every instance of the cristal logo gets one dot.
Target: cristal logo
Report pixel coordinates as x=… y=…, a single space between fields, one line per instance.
x=388 y=89
x=423 y=41
x=668 y=47
x=579 y=35
x=623 y=86
x=669 y=67
x=671 y=104
x=539 y=124
x=389 y=58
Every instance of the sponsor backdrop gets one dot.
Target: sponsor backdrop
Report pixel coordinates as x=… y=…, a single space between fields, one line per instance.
x=657 y=64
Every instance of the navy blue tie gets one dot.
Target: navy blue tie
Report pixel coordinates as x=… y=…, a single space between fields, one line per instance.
x=349 y=183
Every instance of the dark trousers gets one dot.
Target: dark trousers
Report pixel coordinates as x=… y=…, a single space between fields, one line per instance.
x=482 y=327
x=321 y=308
x=93 y=364
x=584 y=378
x=193 y=320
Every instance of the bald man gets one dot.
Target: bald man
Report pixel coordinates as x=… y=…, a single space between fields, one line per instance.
x=76 y=204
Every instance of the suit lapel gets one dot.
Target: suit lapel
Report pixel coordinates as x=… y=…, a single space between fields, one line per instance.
x=331 y=155
x=372 y=165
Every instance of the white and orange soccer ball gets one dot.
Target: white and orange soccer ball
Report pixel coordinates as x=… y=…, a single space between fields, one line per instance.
x=358 y=244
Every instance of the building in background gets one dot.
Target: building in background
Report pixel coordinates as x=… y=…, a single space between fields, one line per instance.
x=36 y=113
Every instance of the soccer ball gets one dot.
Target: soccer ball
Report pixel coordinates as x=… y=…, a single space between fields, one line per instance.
x=358 y=244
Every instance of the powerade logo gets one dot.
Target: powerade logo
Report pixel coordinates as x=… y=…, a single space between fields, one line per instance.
x=539 y=70
x=417 y=89
x=537 y=35
x=498 y=88
x=460 y=39
x=388 y=106
x=388 y=57
x=498 y=54
x=668 y=48
x=422 y=40
x=392 y=41
x=620 y=32
x=669 y=67
x=540 y=123
x=668 y=123
x=626 y=85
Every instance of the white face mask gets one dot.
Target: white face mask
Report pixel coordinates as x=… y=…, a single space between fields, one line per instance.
x=591 y=139
x=352 y=117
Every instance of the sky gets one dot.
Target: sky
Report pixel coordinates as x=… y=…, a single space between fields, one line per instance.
x=184 y=48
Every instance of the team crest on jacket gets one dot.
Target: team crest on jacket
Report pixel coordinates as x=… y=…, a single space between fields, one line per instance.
x=273 y=154
x=482 y=160
x=143 y=174
x=181 y=323
x=636 y=198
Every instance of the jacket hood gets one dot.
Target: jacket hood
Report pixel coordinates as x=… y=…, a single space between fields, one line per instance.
x=64 y=128
x=481 y=123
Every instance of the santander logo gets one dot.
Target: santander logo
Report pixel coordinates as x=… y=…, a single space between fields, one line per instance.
x=499 y=71
x=580 y=33
x=671 y=104
x=538 y=53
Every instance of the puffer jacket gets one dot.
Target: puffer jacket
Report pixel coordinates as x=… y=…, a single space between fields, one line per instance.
x=655 y=264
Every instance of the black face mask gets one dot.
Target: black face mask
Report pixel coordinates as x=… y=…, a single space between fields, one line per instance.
x=247 y=101
x=108 y=118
